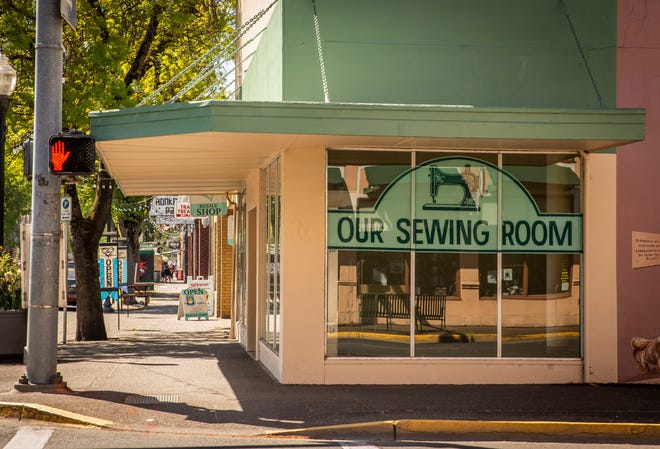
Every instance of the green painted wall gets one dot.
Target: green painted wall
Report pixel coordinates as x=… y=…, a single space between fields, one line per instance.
x=263 y=79
x=516 y=53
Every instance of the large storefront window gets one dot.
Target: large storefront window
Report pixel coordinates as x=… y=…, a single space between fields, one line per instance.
x=444 y=225
x=367 y=285
x=271 y=255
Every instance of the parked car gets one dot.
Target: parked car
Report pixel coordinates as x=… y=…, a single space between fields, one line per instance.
x=71 y=290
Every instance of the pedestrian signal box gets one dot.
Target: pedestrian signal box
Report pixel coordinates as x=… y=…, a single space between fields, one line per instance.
x=71 y=154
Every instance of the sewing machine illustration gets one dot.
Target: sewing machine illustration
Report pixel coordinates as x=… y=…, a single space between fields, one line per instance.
x=449 y=191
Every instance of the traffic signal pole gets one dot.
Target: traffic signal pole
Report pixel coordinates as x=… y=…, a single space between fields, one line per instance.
x=41 y=349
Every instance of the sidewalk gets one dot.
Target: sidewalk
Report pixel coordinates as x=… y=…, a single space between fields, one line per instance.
x=157 y=373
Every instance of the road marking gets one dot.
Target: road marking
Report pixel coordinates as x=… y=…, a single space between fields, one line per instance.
x=30 y=438
x=357 y=445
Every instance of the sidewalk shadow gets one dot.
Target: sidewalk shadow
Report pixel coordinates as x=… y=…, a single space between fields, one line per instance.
x=263 y=402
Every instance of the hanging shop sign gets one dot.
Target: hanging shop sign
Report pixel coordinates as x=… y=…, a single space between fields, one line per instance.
x=182 y=209
x=455 y=209
x=208 y=205
x=163 y=206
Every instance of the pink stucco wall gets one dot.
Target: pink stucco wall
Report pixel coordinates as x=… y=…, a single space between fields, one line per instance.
x=638 y=178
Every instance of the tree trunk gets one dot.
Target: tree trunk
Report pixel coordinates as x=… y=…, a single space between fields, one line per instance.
x=89 y=308
x=86 y=233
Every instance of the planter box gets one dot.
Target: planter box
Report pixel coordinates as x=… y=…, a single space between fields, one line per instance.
x=13 y=333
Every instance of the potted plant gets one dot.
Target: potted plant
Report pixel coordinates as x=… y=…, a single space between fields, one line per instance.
x=13 y=317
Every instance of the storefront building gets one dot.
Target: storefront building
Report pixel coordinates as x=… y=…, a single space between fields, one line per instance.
x=423 y=190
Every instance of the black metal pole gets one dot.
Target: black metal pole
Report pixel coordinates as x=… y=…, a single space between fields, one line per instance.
x=4 y=107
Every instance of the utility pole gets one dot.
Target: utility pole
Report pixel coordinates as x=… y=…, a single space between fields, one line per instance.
x=41 y=349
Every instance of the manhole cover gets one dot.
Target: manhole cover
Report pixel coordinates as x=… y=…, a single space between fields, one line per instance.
x=138 y=399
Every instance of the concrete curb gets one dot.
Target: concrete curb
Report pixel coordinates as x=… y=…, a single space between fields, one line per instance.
x=409 y=428
x=49 y=414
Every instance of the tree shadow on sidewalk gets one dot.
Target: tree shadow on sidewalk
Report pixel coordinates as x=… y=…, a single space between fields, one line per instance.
x=246 y=394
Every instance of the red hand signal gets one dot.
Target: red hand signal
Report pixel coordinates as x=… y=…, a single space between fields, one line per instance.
x=58 y=155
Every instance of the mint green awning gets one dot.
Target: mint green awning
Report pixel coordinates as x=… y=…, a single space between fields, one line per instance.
x=211 y=146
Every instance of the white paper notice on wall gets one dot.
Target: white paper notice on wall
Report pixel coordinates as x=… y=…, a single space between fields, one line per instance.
x=645 y=249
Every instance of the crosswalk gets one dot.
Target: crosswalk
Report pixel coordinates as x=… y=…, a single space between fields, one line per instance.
x=30 y=438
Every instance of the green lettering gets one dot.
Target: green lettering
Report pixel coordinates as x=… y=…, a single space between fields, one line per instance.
x=567 y=233
x=507 y=233
x=376 y=230
x=463 y=230
x=405 y=234
x=485 y=235
x=417 y=230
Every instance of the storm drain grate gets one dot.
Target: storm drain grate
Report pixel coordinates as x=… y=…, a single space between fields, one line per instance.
x=137 y=399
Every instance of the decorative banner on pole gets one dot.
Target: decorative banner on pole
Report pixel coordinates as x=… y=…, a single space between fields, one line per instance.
x=230 y=230
x=122 y=265
x=108 y=270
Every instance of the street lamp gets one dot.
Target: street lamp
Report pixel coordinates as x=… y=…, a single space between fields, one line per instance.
x=7 y=86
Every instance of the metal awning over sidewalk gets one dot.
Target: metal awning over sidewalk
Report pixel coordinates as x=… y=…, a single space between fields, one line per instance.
x=211 y=146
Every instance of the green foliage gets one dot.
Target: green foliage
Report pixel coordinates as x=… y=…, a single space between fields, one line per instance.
x=121 y=51
x=10 y=283
x=18 y=192
x=17 y=36
x=130 y=208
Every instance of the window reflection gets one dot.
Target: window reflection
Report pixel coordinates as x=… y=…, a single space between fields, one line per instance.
x=474 y=278
x=370 y=314
x=271 y=200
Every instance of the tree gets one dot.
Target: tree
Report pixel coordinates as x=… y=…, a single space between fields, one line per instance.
x=121 y=51
x=130 y=214
x=17 y=43
x=88 y=230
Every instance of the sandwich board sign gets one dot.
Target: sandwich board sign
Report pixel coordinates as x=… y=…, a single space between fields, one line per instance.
x=193 y=302
x=207 y=284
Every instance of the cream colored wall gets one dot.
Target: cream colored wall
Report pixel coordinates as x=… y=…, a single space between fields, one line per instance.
x=600 y=288
x=252 y=191
x=249 y=334
x=303 y=265
x=459 y=371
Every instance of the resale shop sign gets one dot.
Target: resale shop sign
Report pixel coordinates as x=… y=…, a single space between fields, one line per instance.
x=455 y=209
x=208 y=205
x=188 y=206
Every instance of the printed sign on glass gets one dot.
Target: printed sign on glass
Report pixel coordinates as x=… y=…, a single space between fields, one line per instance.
x=455 y=209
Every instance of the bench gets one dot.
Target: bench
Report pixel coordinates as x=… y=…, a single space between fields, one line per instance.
x=392 y=306
x=431 y=307
x=129 y=293
x=142 y=289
